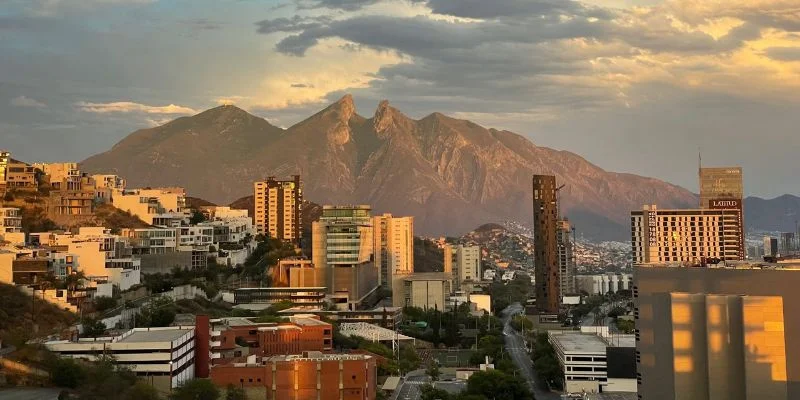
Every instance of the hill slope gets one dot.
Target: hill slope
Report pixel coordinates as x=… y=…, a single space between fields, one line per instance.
x=450 y=174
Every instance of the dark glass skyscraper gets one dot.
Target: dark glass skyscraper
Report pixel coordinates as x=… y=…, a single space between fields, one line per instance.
x=545 y=242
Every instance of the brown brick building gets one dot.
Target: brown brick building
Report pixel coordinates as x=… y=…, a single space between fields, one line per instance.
x=545 y=243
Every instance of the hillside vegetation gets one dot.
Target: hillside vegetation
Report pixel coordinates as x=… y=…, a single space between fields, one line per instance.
x=16 y=311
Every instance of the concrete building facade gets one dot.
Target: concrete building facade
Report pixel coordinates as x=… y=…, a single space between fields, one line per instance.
x=584 y=359
x=718 y=333
x=426 y=290
x=463 y=263
x=604 y=283
x=689 y=237
x=545 y=242
x=10 y=220
x=566 y=258
x=278 y=208
x=394 y=247
x=158 y=206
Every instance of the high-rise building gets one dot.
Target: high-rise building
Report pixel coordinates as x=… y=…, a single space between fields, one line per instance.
x=464 y=263
x=545 y=243
x=566 y=258
x=717 y=333
x=5 y=159
x=787 y=243
x=278 y=206
x=342 y=245
x=770 y=246
x=720 y=184
x=688 y=237
x=394 y=247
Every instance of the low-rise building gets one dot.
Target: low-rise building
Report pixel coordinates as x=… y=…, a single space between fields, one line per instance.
x=18 y=174
x=297 y=272
x=59 y=173
x=10 y=220
x=159 y=206
x=584 y=358
x=425 y=290
x=262 y=297
x=603 y=283
x=162 y=357
x=74 y=196
x=311 y=375
x=386 y=317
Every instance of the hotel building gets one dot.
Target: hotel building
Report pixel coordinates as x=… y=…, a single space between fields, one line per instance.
x=689 y=237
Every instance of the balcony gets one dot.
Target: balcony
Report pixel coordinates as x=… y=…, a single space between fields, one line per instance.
x=216 y=343
x=216 y=333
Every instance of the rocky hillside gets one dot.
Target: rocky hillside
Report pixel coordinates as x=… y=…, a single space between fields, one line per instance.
x=450 y=174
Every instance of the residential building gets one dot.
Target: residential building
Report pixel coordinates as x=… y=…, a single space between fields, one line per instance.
x=30 y=270
x=10 y=220
x=59 y=173
x=545 y=243
x=689 y=237
x=18 y=174
x=342 y=245
x=74 y=196
x=718 y=184
x=426 y=290
x=311 y=375
x=566 y=257
x=603 y=283
x=587 y=357
x=161 y=357
x=308 y=297
x=718 y=332
x=463 y=263
x=770 y=247
x=158 y=206
x=146 y=241
x=278 y=208
x=787 y=243
x=113 y=182
x=5 y=160
x=7 y=266
x=394 y=247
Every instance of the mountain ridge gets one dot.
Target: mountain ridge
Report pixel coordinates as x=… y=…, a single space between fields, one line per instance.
x=451 y=174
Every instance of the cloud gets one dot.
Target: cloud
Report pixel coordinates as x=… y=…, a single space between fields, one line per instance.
x=343 y=5
x=130 y=107
x=23 y=101
x=51 y=8
x=784 y=53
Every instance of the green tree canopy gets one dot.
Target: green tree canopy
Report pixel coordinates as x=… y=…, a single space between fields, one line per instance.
x=196 y=389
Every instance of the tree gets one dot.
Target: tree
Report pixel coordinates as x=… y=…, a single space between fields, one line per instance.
x=74 y=281
x=234 y=393
x=93 y=327
x=106 y=379
x=197 y=217
x=494 y=384
x=429 y=392
x=160 y=312
x=625 y=326
x=433 y=370
x=8 y=196
x=195 y=389
x=104 y=303
x=409 y=359
x=141 y=391
x=66 y=372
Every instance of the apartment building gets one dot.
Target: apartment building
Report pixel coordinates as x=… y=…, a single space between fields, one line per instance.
x=343 y=247
x=161 y=357
x=603 y=283
x=717 y=333
x=17 y=173
x=689 y=237
x=59 y=173
x=74 y=196
x=10 y=220
x=566 y=257
x=198 y=241
x=311 y=375
x=113 y=182
x=394 y=247
x=463 y=263
x=158 y=206
x=261 y=297
x=545 y=242
x=278 y=208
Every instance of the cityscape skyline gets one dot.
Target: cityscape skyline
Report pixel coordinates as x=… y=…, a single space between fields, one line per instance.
x=689 y=77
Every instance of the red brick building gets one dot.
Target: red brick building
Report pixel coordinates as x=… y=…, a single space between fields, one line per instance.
x=312 y=375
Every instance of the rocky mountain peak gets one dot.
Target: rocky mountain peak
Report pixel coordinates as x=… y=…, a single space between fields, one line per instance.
x=384 y=116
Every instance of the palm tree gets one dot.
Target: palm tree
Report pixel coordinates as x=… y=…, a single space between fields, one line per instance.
x=74 y=280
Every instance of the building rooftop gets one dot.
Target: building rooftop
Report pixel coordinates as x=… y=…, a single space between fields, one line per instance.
x=371 y=332
x=142 y=335
x=307 y=320
x=577 y=342
x=789 y=265
x=429 y=276
x=316 y=355
x=612 y=396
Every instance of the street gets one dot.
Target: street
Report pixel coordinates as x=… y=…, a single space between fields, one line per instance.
x=519 y=354
x=409 y=389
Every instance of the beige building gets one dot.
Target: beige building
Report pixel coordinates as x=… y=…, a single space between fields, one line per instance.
x=74 y=196
x=58 y=173
x=114 y=182
x=10 y=220
x=688 y=237
x=278 y=206
x=157 y=206
x=717 y=333
x=342 y=246
x=464 y=263
x=566 y=258
x=425 y=290
x=17 y=173
x=394 y=247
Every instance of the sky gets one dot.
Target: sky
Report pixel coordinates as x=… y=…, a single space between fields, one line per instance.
x=636 y=86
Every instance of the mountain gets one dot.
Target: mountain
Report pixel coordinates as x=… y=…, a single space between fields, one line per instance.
x=774 y=215
x=450 y=174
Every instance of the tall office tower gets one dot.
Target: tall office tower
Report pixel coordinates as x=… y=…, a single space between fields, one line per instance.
x=717 y=333
x=278 y=207
x=464 y=263
x=342 y=245
x=787 y=243
x=687 y=237
x=770 y=246
x=545 y=243
x=720 y=184
x=566 y=257
x=394 y=247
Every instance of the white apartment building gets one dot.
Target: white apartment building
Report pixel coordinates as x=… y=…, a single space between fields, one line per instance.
x=10 y=220
x=687 y=237
x=489 y=274
x=100 y=255
x=394 y=247
x=161 y=357
x=198 y=240
x=114 y=182
x=585 y=356
x=603 y=283
x=159 y=206
x=152 y=240
x=463 y=262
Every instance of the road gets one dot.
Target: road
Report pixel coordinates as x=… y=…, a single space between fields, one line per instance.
x=519 y=354
x=29 y=394
x=409 y=389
